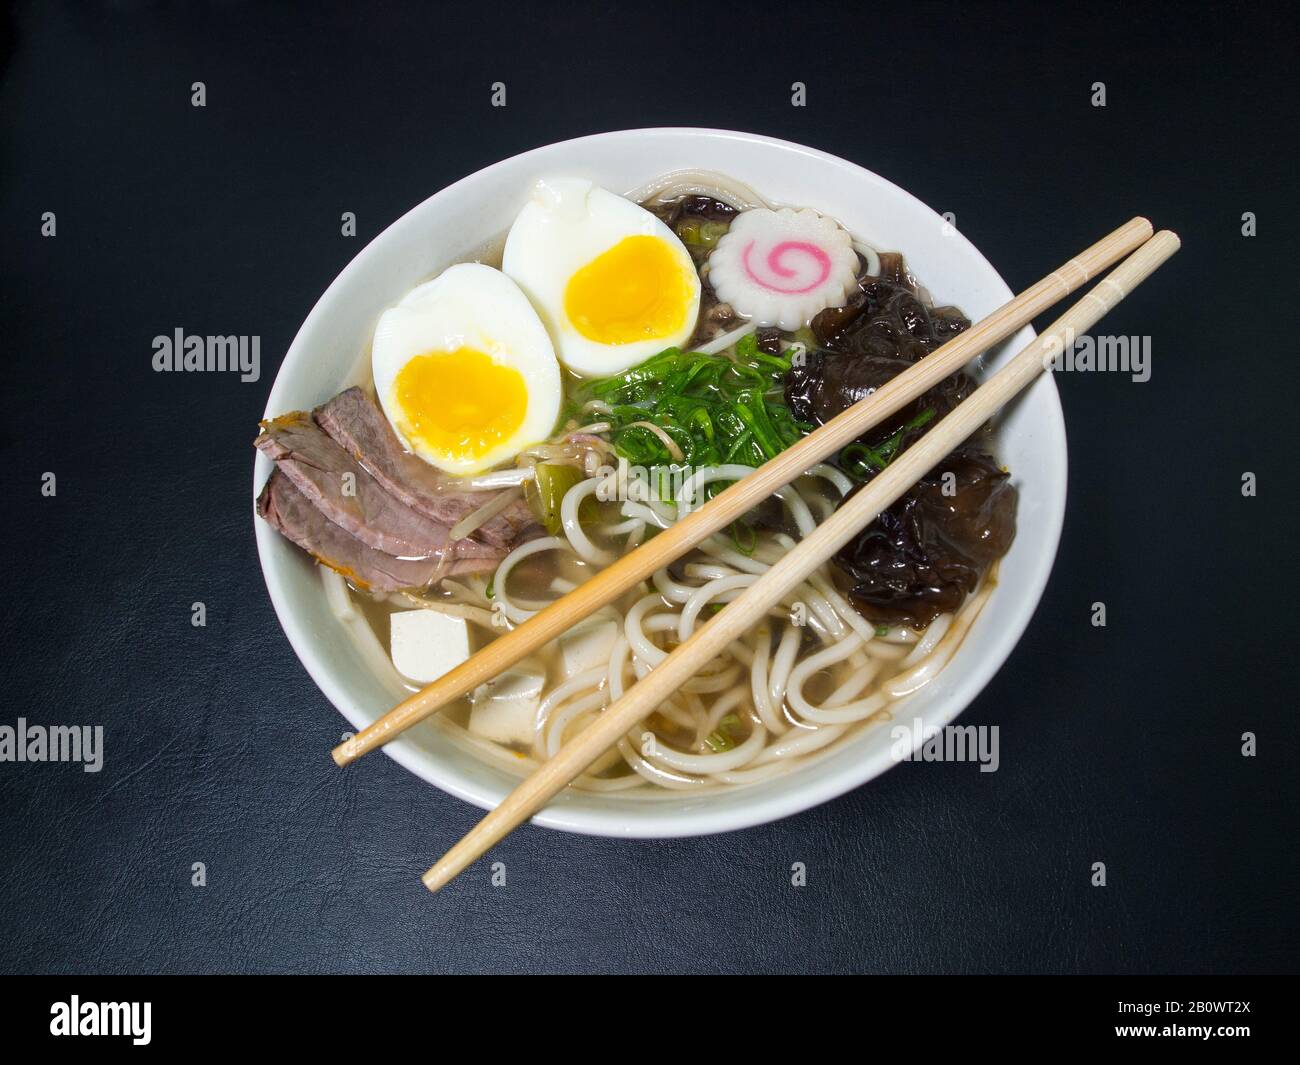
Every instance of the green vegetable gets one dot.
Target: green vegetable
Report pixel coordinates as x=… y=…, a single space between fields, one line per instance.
x=545 y=492
x=720 y=739
x=689 y=231
x=701 y=234
x=864 y=462
x=714 y=408
x=711 y=232
x=744 y=536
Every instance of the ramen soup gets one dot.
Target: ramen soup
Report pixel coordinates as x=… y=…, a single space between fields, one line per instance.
x=526 y=420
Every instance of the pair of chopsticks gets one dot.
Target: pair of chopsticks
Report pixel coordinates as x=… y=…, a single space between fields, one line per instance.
x=787 y=574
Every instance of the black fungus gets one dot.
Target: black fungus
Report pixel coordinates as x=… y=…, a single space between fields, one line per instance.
x=885 y=316
x=824 y=383
x=707 y=208
x=769 y=341
x=715 y=317
x=701 y=208
x=927 y=552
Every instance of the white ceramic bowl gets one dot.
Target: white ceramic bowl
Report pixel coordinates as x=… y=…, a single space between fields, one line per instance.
x=450 y=226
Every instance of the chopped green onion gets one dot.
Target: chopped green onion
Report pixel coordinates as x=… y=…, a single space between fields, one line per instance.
x=711 y=232
x=749 y=541
x=720 y=739
x=546 y=491
x=715 y=408
x=863 y=461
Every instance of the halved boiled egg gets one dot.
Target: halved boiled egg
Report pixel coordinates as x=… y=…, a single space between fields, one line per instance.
x=613 y=284
x=465 y=370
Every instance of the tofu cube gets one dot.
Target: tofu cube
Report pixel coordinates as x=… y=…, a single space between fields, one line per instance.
x=427 y=643
x=505 y=708
x=587 y=647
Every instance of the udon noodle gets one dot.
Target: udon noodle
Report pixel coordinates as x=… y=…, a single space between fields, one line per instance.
x=806 y=676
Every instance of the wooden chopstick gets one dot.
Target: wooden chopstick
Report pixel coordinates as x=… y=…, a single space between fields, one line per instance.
x=745 y=494
x=785 y=576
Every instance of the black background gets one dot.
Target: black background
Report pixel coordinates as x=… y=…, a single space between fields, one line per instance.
x=1118 y=744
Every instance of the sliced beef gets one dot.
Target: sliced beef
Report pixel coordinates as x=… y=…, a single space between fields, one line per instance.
x=348 y=496
x=355 y=422
x=285 y=507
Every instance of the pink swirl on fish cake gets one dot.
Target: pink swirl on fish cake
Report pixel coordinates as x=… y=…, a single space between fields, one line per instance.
x=783 y=266
x=774 y=264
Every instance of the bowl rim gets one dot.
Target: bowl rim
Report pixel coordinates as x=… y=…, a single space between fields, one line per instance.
x=816 y=788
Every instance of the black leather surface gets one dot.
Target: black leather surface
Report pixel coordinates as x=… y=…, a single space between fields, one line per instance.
x=1119 y=745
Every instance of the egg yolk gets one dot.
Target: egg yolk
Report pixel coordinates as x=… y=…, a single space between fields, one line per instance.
x=459 y=403
x=637 y=290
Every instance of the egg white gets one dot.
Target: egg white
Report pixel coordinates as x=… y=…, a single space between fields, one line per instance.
x=566 y=224
x=473 y=306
